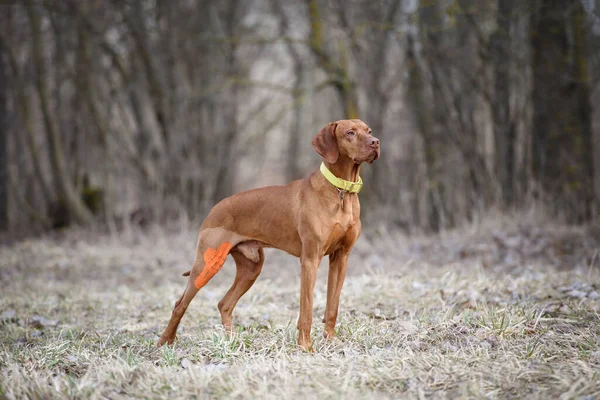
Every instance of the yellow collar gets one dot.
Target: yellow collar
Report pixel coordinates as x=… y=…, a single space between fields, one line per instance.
x=343 y=185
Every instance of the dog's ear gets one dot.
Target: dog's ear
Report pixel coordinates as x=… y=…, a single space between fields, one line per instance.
x=325 y=143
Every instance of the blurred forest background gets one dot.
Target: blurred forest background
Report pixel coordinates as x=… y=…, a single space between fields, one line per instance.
x=137 y=111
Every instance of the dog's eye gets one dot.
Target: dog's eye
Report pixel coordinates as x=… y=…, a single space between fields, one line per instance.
x=350 y=133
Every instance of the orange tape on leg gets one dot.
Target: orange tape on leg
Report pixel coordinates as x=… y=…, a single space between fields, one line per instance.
x=213 y=262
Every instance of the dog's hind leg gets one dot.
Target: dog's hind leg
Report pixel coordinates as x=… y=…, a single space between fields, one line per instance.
x=210 y=257
x=181 y=306
x=249 y=264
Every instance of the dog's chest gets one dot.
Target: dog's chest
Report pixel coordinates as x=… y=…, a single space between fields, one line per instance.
x=343 y=229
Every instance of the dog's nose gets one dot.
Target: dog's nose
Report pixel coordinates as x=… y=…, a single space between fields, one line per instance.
x=374 y=141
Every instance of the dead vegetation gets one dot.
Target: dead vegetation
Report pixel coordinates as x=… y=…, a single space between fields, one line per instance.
x=497 y=310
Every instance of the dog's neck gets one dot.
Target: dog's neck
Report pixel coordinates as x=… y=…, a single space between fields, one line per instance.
x=344 y=168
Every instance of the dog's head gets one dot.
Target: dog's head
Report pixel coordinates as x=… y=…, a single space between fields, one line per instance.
x=347 y=138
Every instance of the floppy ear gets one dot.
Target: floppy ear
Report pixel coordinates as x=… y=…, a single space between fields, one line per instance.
x=325 y=143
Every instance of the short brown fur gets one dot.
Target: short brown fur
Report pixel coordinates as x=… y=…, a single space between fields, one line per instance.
x=306 y=218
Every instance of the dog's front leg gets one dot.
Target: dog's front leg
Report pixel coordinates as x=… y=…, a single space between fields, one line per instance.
x=309 y=260
x=338 y=263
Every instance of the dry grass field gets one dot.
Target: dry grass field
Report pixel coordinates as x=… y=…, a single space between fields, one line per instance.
x=498 y=310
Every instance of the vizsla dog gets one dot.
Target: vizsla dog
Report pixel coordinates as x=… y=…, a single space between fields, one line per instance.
x=308 y=218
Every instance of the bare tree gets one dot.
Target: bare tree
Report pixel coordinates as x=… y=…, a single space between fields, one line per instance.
x=371 y=29
x=3 y=139
x=562 y=134
x=67 y=190
x=434 y=197
x=298 y=91
x=228 y=19
x=334 y=63
x=504 y=128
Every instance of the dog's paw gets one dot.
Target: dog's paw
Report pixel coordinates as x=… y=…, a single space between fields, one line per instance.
x=162 y=341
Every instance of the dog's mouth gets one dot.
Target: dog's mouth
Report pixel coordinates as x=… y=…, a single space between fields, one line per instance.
x=369 y=159
x=374 y=156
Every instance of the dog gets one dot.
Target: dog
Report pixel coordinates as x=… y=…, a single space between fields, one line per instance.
x=308 y=218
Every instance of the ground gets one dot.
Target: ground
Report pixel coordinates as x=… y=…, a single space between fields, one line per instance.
x=498 y=310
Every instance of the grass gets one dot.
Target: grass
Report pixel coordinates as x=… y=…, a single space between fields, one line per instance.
x=80 y=316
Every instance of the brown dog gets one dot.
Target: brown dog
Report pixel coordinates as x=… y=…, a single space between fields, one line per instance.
x=308 y=218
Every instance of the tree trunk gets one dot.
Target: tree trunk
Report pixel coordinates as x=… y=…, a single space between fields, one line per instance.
x=135 y=20
x=68 y=193
x=24 y=108
x=504 y=130
x=561 y=133
x=295 y=136
x=424 y=122
x=3 y=140
x=226 y=167
x=375 y=83
x=337 y=72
